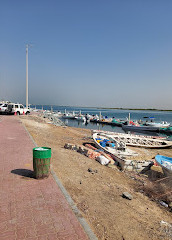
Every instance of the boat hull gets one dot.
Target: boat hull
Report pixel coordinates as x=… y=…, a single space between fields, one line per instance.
x=159 y=125
x=138 y=141
x=121 y=162
x=159 y=160
x=140 y=128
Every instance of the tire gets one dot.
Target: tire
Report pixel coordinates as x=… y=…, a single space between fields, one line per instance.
x=18 y=113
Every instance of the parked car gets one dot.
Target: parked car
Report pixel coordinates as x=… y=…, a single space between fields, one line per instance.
x=16 y=108
x=3 y=108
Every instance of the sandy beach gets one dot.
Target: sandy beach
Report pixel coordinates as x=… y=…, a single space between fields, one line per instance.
x=98 y=193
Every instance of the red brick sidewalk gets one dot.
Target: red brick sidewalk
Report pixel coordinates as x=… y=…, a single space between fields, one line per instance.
x=30 y=209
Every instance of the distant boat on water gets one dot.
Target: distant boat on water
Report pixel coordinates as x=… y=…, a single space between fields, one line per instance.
x=139 y=128
x=68 y=116
x=150 y=126
x=162 y=124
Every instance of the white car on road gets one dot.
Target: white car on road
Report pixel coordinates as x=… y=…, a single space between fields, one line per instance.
x=3 y=108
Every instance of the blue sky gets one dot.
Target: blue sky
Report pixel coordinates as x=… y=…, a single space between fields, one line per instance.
x=87 y=53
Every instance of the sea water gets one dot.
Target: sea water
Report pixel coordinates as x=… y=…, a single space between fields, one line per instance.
x=109 y=113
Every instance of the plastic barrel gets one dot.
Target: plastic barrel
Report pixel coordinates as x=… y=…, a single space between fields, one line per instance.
x=41 y=162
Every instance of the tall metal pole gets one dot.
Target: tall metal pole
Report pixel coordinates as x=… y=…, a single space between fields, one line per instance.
x=27 y=76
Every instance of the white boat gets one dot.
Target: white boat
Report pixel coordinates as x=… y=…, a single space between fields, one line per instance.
x=95 y=118
x=118 y=148
x=121 y=154
x=88 y=117
x=68 y=116
x=157 y=124
x=128 y=134
x=80 y=118
x=140 y=128
x=138 y=140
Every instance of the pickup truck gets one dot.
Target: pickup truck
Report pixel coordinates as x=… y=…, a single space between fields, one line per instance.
x=18 y=109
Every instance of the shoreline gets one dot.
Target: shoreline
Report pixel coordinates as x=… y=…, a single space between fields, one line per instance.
x=109 y=108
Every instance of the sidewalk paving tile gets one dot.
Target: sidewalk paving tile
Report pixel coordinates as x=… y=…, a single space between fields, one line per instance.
x=30 y=209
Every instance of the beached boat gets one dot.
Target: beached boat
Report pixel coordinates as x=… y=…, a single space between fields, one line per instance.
x=129 y=134
x=138 y=140
x=120 y=153
x=165 y=163
x=118 y=148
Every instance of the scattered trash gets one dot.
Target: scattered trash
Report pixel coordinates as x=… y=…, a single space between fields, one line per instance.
x=127 y=195
x=102 y=160
x=166 y=228
x=170 y=205
x=164 y=204
x=92 y=171
x=90 y=152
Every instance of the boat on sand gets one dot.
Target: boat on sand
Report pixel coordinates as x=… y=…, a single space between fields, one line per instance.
x=138 y=140
x=165 y=163
x=120 y=153
x=117 y=148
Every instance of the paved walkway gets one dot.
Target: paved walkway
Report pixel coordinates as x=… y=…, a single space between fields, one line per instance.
x=30 y=209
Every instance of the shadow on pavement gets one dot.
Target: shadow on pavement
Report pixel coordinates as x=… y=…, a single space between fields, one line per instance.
x=23 y=172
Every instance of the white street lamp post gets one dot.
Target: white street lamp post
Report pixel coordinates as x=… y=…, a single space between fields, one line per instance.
x=27 y=47
x=27 y=76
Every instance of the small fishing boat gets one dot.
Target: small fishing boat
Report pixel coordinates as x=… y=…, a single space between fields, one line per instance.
x=138 y=140
x=94 y=118
x=80 y=118
x=88 y=117
x=128 y=134
x=155 y=124
x=117 y=122
x=139 y=128
x=68 y=116
x=117 y=148
x=165 y=163
x=150 y=122
x=120 y=153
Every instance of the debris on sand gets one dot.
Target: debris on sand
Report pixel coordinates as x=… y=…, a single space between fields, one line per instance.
x=127 y=195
